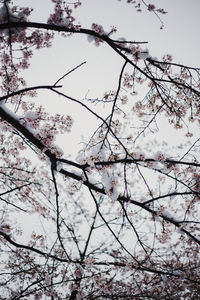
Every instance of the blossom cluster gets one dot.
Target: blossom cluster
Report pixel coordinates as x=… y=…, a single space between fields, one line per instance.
x=14 y=14
x=43 y=126
x=62 y=14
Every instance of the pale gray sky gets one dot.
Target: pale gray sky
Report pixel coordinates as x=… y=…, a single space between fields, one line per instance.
x=180 y=38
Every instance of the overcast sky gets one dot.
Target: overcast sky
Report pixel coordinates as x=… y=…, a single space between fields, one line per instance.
x=181 y=23
x=179 y=37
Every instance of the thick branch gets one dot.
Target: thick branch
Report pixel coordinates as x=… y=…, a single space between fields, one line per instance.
x=103 y=37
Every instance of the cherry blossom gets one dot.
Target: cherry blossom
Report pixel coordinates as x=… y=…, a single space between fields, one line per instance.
x=121 y=221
